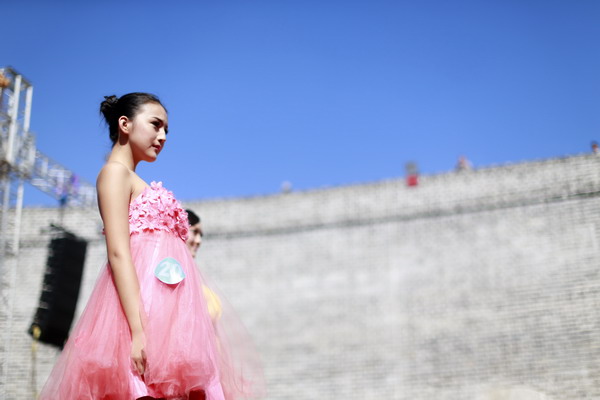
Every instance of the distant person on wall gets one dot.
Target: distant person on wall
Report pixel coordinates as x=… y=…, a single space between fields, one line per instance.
x=412 y=174
x=463 y=164
x=146 y=332
x=595 y=148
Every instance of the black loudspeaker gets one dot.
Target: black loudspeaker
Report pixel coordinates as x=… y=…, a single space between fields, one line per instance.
x=60 y=290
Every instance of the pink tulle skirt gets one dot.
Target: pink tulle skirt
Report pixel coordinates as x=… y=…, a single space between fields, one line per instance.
x=183 y=350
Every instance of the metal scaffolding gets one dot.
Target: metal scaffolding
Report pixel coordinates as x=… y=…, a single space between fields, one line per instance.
x=20 y=162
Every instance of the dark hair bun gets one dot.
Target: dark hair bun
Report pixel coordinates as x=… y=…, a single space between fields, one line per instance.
x=111 y=99
x=107 y=107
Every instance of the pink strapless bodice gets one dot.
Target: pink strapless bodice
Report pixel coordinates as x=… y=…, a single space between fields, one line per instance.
x=156 y=209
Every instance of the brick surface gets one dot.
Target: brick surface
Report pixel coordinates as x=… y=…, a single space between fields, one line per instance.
x=467 y=286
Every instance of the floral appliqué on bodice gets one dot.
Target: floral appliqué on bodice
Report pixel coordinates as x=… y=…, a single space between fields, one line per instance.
x=156 y=209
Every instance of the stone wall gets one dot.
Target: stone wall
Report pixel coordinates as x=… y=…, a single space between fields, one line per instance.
x=468 y=285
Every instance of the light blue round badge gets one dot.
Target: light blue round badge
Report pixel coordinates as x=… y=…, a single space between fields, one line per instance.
x=169 y=271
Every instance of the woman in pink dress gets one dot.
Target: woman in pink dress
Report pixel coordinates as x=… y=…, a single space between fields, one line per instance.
x=146 y=331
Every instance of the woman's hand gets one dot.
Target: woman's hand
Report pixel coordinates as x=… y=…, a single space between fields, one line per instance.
x=138 y=355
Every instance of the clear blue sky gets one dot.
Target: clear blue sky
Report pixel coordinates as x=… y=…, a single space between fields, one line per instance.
x=317 y=93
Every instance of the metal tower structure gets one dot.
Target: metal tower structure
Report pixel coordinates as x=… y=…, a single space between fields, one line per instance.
x=20 y=162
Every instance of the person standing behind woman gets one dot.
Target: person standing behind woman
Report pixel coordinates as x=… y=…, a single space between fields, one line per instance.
x=241 y=369
x=194 y=240
x=146 y=331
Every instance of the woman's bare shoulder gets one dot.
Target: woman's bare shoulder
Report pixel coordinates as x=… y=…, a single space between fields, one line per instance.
x=114 y=172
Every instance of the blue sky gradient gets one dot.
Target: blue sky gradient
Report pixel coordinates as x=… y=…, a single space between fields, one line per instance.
x=318 y=93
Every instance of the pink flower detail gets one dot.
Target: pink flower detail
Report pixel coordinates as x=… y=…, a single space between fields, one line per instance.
x=156 y=209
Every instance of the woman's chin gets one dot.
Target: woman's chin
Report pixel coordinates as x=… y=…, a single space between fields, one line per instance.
x=151 y=158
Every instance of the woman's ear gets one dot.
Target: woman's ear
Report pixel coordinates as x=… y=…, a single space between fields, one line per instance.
x=124 y=124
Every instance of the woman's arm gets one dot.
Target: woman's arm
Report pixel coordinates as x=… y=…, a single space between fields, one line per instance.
x=114 y=192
